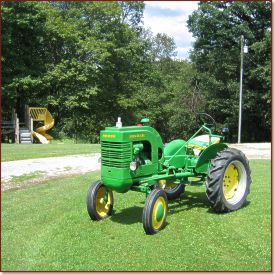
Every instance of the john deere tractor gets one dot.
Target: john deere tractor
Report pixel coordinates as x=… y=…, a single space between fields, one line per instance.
x=135 y=158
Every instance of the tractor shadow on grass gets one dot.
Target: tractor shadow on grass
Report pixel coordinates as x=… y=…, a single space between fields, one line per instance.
x=128 y=215
x=187 y=201
x=190 y=200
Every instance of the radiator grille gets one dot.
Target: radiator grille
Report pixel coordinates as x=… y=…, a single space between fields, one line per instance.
x=116 y=154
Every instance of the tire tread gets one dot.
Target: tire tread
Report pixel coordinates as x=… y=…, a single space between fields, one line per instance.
x=215 y=176
x=148 y=208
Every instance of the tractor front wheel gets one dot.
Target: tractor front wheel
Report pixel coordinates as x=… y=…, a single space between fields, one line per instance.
x=100 y=201
x=155 y=211
x=228 y=180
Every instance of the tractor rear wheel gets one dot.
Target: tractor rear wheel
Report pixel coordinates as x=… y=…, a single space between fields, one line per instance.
x=100 y=201
x=228 y=180
x=172 y=190
x=155 y=211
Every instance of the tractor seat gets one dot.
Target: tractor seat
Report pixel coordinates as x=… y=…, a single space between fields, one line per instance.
x=202 y=142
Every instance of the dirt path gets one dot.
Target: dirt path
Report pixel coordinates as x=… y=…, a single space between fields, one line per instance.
x=254 y=150
x=16 y=174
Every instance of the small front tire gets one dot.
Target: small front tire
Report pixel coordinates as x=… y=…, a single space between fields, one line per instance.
x=155 y=211
x=100 y=201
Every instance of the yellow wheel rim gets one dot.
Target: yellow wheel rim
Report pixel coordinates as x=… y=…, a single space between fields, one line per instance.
x=102 y=202
x=230 y=181
x=164 y=184
x=159 y=212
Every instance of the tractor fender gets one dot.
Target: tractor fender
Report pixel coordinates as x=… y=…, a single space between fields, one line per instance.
x=207 y=155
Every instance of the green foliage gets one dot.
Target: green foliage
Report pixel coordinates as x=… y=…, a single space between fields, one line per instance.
x=171 y=102
x=46 y=227
x=163 y=46
x=89 y=54
x=90 y=62
x=217 y=27
x=23 y=50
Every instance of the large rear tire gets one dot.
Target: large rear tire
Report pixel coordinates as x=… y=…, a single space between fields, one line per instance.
x=228 y=180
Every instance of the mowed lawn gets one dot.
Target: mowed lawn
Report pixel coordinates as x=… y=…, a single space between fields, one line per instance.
x=31 y=151
x=46 y=227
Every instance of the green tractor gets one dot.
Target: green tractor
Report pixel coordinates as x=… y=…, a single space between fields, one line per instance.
x=135 y=158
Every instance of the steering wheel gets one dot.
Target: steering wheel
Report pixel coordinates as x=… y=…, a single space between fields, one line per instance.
x=206 y=120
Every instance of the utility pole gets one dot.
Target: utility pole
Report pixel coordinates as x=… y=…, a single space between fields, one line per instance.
x=241 y=92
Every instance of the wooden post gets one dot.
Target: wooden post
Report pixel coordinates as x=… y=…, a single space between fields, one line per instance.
x=31 y=128
x=17 y=130
x=13 y=116
x=15 y=123
x=26 y=116
x=28 y=121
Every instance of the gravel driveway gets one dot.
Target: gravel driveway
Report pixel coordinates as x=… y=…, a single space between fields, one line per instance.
x=254 y=150
x=37 y=170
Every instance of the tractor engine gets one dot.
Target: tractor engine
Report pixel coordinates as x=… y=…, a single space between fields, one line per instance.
x=129 y=153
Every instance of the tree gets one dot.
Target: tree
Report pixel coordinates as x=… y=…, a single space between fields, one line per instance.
x=84 y=63
x=132 y=13
x=163 y=46
x=217 y=27
x=168 y=90
x=23 y=56
x=90 y=62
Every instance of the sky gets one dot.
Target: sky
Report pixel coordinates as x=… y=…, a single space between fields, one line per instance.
x=170 y=17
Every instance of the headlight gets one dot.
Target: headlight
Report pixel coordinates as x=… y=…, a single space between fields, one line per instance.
x=133 y=166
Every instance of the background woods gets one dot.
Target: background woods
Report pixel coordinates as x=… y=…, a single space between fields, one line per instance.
x=90 y=62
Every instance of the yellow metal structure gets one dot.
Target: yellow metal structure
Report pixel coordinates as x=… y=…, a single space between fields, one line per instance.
x=102 y=206
x=230 y=181
x=42 y=114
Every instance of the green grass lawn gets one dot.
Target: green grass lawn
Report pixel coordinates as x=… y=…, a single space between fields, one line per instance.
x=46 y=227
x=30 y=151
